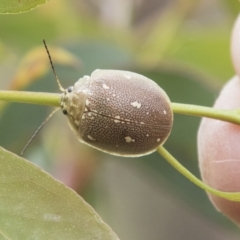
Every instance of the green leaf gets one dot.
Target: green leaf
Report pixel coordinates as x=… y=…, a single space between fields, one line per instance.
x=33 y=205
x=18 y=6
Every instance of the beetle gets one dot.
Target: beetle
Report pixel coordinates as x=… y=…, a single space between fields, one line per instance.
x=118 y=112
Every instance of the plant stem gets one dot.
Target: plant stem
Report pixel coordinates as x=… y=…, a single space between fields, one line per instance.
x=53 y=99
x=232 y=116
x=50 y=99
x=233 y=196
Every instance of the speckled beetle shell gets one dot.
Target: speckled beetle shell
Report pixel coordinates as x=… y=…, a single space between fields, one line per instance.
x=119 y=112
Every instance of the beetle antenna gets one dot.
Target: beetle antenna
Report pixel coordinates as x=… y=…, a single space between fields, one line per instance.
x=39 y=128
x=54 y=72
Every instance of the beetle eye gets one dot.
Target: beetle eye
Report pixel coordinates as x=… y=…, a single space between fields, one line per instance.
x=64 y=111
x=70 y=89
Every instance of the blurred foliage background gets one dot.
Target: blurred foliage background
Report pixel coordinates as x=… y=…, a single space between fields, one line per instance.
x=182 y=45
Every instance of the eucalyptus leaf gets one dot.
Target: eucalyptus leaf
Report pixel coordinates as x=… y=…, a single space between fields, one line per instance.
x=18 y=6
x=33 y=205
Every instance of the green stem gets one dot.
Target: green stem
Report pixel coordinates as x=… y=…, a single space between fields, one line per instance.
x=232 y=116
x=233 y=196
x=50 y=99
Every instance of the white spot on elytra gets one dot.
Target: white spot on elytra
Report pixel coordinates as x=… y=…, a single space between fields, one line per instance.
x=147 y=113
x=136 y=104
x=91 y=138
x=105 y=86
x=89 y=114
x=129 y=139
x=114 y=95
x=83 y=116
x=108 y=99
x=127 y=76
x=142 y=123
x=164 y=112
x=118 y=117
x=147 y=135
x=87 y=102
x=116 y=121
x=158 y=140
